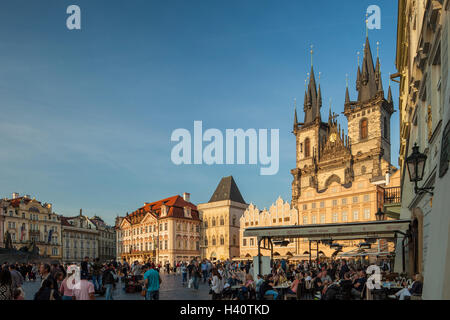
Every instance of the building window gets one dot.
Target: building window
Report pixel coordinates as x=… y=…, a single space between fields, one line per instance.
x=234 y=220
x=222 y=221
x=344 y=201
x=305 y=219
x=213 y=222
x=313 y=219
x=335 y=203
x=252 y=242
x=366 y=198
x=355 y=199
x=322 y=218
x=307 y=148
x=322 y=204
x=344 y=216
x=222 y=241
x=335 y=217
x=364 y=129
x=355 y=215
x=313 y=205
x=367 y=214
x=214 y=241
x=244 y=242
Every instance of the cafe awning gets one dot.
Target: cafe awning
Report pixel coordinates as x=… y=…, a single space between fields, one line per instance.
x=337 y=231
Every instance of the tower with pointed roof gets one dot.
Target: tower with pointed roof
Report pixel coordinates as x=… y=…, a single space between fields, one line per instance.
x=369 y=118
x=221 y=215
x=325 y=154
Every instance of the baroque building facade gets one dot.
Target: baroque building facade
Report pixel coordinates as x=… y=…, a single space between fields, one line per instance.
x=106 y=240
x=165 y=231
x=338 y=177
x=423 y=65
x=31 y=223
x=279 y=214
x=220 y=234
x=80 y=238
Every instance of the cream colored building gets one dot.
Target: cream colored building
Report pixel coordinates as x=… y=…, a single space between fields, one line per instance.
x=165 y=231
x=423 y=65
x=221 y=215
x=106 y=239
x=80 y=238
x=279 y=214
x=28 y=220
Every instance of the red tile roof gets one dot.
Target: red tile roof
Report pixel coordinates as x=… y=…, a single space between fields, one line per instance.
x=175 y=206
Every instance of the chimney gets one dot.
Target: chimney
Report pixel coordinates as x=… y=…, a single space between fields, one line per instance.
x=187 y=197
x=15 y=195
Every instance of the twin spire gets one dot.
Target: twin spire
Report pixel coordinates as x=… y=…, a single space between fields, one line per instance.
x=368 y=84
x=313 y=100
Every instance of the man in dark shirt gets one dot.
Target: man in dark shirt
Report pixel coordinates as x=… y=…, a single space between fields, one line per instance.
x=359 y=285
x=85 y=267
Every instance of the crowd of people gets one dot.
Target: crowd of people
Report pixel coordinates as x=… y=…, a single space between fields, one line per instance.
x=334 y=280
x=58 y=281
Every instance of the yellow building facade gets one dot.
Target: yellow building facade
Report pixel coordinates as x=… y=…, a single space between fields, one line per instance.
x=28 y=221
x=220 y=234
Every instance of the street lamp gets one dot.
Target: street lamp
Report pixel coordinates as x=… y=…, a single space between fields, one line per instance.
x=416 y=167
x=380 y=215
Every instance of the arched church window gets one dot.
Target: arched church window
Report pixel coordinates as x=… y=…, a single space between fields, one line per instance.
x=307 y=148
x=364 y=129
x=213 y=222
x=214 y=241
x=222 y=241
x=222 y=221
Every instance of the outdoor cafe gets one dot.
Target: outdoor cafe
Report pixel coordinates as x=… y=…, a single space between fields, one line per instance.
x=331 y=234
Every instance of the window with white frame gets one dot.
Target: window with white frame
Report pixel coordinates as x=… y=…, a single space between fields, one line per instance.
x=355 y=215
x=367 y=213
x=322 y=218
x=335 y=217
x=344 y=216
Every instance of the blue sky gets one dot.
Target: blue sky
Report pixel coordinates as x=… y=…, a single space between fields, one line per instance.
x=86 y=116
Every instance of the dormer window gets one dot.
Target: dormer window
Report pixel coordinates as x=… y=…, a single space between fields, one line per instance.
x=187 y=212
x=163 y=211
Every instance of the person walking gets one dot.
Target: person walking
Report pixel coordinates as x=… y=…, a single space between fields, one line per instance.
x=85 y=290
x=152 y=282
x=66 y=287
x=47 y=291
x=6 y=292
x=109 y=281
x=196 y=274
x=183 y=274
x=216 y=285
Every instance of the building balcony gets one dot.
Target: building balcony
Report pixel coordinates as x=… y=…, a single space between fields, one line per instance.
x=392 y=202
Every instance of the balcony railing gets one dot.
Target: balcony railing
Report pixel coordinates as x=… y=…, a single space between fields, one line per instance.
x=392 y=195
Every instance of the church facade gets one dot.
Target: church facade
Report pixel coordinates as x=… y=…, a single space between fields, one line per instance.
x=338 y=176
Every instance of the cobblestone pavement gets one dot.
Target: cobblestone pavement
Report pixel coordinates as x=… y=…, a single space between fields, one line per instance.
x=171 y=289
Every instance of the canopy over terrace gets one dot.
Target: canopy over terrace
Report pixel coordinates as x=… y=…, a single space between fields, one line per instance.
x=388 y=229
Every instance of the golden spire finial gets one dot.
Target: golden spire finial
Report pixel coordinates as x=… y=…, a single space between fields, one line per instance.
x=320 y=74
x=312 y=52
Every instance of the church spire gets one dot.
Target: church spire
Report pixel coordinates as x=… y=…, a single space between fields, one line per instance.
x=347 y=94
x=367 y=81
x=295 y=115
